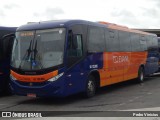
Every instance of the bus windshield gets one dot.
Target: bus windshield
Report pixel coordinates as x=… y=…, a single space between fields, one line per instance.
x=38 y=49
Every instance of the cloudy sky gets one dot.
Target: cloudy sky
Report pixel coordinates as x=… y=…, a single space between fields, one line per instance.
x=131 y=13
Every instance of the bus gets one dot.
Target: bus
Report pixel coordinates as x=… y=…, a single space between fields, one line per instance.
x=6 y=42
x=64 y=57
x=159 y=53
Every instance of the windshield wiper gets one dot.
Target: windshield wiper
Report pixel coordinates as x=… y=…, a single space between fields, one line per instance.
x=28 y=51
x=35 y=51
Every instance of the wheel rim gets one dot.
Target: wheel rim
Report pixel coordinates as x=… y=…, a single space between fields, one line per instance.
x=141 y=76
x=90 y=86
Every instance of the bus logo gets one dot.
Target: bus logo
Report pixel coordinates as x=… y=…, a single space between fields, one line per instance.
x=120 y=59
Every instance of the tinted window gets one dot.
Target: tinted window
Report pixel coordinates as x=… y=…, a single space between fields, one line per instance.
x=75 y=48
x=149 y=42
x=96 y=41
x=158 y=42
x=155 y=41
x=143 y=43
x=6 y=46
x=135 y=42
x=152 y=42
x=81 y=30
x=112 y=41
x=125 y=41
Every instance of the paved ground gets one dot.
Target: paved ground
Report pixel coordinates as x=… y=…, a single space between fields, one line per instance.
x=123 y=96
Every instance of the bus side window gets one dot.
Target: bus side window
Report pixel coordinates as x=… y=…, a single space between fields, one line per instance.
x=96 y=39
x=75 y=48
x=135 y=42
x=112 y=40
x=7 y=46
x=143 y=43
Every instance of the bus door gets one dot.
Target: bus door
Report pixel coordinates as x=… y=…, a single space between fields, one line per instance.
x=75 y=74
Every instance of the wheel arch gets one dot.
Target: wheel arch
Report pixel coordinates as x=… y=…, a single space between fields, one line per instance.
x=142 y=66
x=96 y=75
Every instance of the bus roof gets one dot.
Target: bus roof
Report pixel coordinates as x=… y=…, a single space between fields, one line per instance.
x=55 y=23
x=67 y=23
x=8 y=28
x=124 y=28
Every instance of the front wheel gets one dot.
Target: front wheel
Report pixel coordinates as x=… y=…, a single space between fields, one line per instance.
x=90 y=87
x=140 y=77
x=7 y=90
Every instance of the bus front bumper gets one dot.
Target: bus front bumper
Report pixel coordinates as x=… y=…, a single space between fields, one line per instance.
x=49 y=89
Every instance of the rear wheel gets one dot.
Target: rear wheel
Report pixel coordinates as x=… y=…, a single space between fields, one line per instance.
x=140 y=77
x=90 y=87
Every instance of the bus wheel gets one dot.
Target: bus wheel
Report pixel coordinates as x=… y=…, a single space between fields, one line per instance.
x=90 y=87
x=7 y=90
x=140 y=77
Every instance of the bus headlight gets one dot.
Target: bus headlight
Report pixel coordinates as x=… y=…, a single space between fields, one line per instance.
x=56 y=77
x=13 y=78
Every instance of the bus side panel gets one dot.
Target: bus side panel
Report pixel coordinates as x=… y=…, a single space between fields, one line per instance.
x=152 y=63
x=77 y=76
x=120 y=66
x=4 y=73
x=112 y=71
x=1 y=76
x=5 y=57
x=137 y=59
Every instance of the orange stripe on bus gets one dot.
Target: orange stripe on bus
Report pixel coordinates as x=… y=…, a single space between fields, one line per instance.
x=34 y=78
x=120 y=66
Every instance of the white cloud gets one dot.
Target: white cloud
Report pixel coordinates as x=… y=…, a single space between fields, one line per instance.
x=135 y=14
x=1 y=13
x=48 y=14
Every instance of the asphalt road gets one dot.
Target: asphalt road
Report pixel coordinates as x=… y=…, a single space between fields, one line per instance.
x=124 y=96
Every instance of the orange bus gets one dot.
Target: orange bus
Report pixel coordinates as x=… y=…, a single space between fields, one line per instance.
x=64 y=57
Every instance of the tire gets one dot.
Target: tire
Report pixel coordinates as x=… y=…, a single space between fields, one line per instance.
x=90 y=87
x=140 y=77
x=7 y=90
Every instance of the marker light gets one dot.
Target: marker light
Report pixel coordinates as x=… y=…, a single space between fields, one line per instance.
x=56 y=77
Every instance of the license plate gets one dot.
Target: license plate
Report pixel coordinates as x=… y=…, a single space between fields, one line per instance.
x=31 y=95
